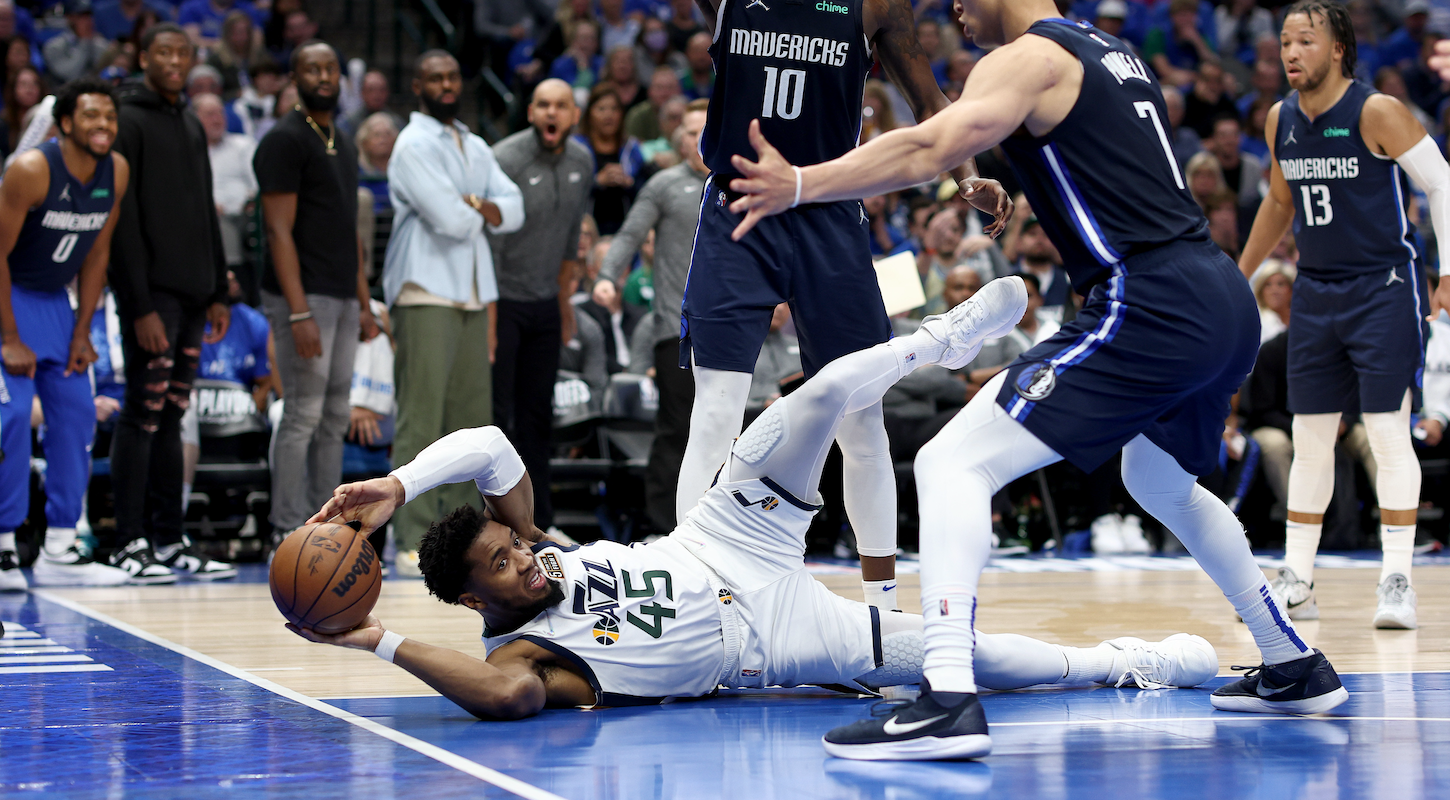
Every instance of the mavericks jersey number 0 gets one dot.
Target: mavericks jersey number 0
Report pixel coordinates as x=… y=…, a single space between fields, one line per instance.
x=799 y=66
x=57 y=234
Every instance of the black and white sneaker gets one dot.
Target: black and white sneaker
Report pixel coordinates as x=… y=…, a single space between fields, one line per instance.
x=185 y=556
x=935 y=726
x=11 y=578
x=71 y=567
x=1307 y=685
x=139 y=560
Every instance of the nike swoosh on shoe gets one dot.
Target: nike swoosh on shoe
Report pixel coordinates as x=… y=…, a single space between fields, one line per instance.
x=892 y=728
x=1272 y=693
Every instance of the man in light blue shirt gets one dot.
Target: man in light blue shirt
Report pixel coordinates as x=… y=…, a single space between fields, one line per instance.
x=438 y=278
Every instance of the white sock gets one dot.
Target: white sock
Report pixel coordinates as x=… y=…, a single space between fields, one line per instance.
x=1088 y=664
x=7 y=542
x=948 y=615
x=880 y=594
x=916 y=350
x=1398 y=542
x=59 y=540
x=1270 y=626
x=1301 y=543
x=185 y=496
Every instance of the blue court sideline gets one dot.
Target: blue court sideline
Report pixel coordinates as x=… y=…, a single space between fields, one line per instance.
x=160 y=724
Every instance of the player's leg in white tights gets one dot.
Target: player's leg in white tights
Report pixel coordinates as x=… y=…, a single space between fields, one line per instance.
x=1397 y=485
x=715 y=419
x=1215 y=538
x=869 y=485
x=1311 y=487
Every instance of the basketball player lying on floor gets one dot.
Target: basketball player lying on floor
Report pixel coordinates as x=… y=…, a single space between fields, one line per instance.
x=725 y=600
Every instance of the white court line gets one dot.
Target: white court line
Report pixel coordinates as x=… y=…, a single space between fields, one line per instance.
x=43 y=659
x=1214 y=718
x=8 y=642
x=54 y=668
x=32 y=651
x=491 y=776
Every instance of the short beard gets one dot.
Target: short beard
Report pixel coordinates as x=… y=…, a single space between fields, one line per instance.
x=439 y=109
x=1313 y=82
x=529 y=612
x=85 y=146
x=317 y=102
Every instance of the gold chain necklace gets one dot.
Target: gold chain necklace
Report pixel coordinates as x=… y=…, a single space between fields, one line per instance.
x=329 y=139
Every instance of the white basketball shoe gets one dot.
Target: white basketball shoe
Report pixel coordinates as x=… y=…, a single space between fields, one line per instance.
x=1295 y=596
x=71 y=567
x=11 y=578
x=1180 y=661
x=1396 y=605
x=990 y=313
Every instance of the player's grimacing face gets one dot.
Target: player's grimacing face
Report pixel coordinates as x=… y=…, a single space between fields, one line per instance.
x=505 y=573
x=92 y=126
x=1307 y=49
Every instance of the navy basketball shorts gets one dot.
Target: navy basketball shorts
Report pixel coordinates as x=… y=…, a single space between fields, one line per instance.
x=1356 y=345
x=816 y=257
x=1159 y=349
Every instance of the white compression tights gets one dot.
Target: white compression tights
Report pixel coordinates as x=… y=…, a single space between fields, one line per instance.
x=1003 y=660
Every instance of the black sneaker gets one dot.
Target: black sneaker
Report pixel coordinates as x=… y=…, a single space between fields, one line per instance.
x=11 y=578
x=1307 y=685
x=935 y=726
x=139 y=559
x=185 y=556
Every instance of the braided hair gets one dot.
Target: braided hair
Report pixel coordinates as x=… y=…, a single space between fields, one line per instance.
x=1336 y=17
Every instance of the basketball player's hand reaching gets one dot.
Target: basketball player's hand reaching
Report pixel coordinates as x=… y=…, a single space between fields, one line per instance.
x=364 y=637
x=769 y=185
x=369 y=503
x=988 y=195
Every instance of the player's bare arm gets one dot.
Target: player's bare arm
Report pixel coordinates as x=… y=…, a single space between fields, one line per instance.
x=1276 y=211
x=26 y=183
x=1031 y=83
x=891 y=27
x=93 y=274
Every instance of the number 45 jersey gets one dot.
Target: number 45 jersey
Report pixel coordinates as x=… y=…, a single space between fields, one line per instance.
x=799 y=66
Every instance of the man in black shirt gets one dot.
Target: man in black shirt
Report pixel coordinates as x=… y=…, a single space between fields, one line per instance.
x=169 y=277
x=315 y=289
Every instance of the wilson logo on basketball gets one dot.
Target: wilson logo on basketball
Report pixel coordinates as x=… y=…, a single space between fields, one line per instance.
x=362 y=566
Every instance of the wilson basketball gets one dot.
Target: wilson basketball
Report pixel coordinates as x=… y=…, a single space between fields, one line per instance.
x=325 y=577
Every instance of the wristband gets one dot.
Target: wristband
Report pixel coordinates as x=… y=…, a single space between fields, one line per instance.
x=302 y=317
x=389 y=646
x=797 y=200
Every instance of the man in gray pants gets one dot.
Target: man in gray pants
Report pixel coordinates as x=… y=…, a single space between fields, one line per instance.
x=670 y=204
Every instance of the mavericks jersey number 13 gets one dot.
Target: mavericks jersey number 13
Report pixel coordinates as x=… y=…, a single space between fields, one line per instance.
x=799 y=66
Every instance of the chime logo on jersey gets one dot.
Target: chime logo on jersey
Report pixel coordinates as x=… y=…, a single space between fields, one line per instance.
x=1037 y=383
x=550 y=564
x=766 y=503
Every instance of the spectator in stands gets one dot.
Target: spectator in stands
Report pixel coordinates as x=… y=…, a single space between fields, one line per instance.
x=24 y=89
x=779 y=360
x=535 y=267
x=617 y=319
x=1209 y=99
x=1110 y=16
x=588 y=235
x=78 y=50
x=1204 y=177
x=1222 y=210
x=203 y=19
x=1266 y=81
x=376 y=140
x=876 y=114
x=315 y=288
x=116 y=19
x=240 y=46
x=1254 y=141
x=617 y=157
x=959 y=66
x=439 y=279
x=1035 y=327
x=1240 y=24
x=653 y=50
x=203 y=79
x=1436 y=416
x=938 y=256
x=885 y=235
x=581 y=64
x=372 y=419
x=660 y=153
x=168 y=272
x=684 y=24
x=1185 y=142
x=1265 y=416
x=1389 y=81
x=375 y=93
x=1179 y=51
x=503 y=24
x=234 y=187
x=643 y=121
x=1038 y=257
x=1402 y=48
x=1274 y=289
x=615 y=28
x=928 y=34
x=698 y=80
x=620 y=70
x=255 y=106
x=298 y=30
x=1242 y=172
x=1423 y=83
x=17 y=53
x=584 y=354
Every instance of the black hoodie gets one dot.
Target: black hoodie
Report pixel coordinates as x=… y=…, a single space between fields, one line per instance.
x=167 y=236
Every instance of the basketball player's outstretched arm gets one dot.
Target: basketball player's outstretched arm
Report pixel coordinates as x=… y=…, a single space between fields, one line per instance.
x=27 y=181
x=1032 y=81
x=1276 y=211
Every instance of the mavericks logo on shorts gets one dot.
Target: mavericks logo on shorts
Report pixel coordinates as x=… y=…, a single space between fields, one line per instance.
x=1036 y=383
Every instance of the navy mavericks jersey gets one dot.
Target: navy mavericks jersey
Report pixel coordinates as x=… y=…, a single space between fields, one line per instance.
x=799 y=66
x=58 y=233
x=1104 y=182
x=1350 y=204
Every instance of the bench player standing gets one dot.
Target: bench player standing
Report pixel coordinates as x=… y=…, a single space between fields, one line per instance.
x=57 y=210
x=1168 y=334
x=800 y=68
x=1340 y=154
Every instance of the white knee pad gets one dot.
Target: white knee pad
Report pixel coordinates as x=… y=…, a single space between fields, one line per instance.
x=902 y=655
x=1398 y=481
x=1311 y=476
x=765 y=435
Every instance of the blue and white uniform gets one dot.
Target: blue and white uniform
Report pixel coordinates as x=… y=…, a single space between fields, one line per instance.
x=1357 y=341
x=53 y=244
x=1170 y=328
x=799 y=68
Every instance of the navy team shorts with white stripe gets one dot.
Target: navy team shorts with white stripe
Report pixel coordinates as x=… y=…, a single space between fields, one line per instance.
x=1356 y=345
x=1158 y=349
x=816 y=257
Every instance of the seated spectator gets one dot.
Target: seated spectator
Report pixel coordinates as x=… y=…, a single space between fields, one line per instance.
x=1179 y=49
x=1186 y=143
x=234 y=185
x=1265 y=81
x=1391 y=82
x=23 y=90
x=876 y=114
x=240 y=46
x=698 y=80
x=1402 y=48
x=653 y=49
x=885 y=236
x=660 y=153
x=919 y=211
x=602 y=301
x=1110 y=17
x=1035 y=327
x=116 y=19
x=779 y=360
x=1436 y=414
x=372 y=398
x=928 y=34
x=253 y=109
x=1222 y=210
x=1423 y=83
x=580 y=65
x=1242 y=172
x=1210 y=99
x=584 y=354
x=643 y=121
x=937 y=257
x=617 y=157
x=615 y=28
x=79 y=49
x=1239 y=25
x=203 y=19
x=275 y=25
x=1204 y=177
x=684 y=24
x=620 y=70
x=1038 y=257
x=298 y=28
x=959 y=66
x=108 y=369
x=1265 y=416
x=375 y=140
x=1273 y=285
x=1256 y=119
x=639 y=290
x=375 y=93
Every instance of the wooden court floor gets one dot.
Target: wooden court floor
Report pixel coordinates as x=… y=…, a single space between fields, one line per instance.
x=236 y=622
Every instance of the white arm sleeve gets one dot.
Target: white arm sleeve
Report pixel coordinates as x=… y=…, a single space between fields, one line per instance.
x=1427 y=168
x=482 y=455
